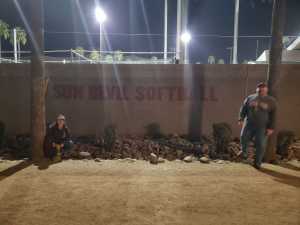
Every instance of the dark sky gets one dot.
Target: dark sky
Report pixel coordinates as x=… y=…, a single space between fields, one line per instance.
x=206 y=17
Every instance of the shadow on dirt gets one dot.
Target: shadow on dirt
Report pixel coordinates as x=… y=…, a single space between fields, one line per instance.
x=282 y=177
x=14 y=169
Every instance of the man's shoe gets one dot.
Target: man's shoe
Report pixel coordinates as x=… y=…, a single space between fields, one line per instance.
x=240 y=154
x=246 y=161
x=258 y=167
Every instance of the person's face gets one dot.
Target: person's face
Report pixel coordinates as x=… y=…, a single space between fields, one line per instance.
x=263 y=91
x=60 y=122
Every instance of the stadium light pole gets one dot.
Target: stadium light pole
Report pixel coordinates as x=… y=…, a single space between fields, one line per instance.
x=101 y=18
x=166 y=31
x=186 y=38
x=236 y=32
x=15 y=45
x=179 y=27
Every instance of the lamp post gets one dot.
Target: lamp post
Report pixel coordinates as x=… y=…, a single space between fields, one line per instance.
x=186 y=38
x=236 y=32
x=101 y=18
x=166 y=32
x=231 y=54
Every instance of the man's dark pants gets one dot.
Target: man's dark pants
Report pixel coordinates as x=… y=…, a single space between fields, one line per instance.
x=260 y=139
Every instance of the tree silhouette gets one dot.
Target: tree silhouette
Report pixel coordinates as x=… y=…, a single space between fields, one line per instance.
x=21 y=39
x=4 y=33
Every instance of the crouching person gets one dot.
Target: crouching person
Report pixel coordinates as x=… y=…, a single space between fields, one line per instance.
x=57 y=142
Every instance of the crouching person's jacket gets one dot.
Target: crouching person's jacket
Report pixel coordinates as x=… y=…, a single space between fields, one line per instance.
x=58 y=136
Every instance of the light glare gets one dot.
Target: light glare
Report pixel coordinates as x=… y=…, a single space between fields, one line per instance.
x=100 y=15
x=186 y=37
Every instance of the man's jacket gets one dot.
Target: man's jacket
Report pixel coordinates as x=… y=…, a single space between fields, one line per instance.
x=259 y=111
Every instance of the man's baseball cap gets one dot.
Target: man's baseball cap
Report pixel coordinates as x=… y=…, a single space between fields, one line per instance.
x=261 y=85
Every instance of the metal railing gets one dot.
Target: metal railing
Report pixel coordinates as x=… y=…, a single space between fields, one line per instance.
x=91 y=57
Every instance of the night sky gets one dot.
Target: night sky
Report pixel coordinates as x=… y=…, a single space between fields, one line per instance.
x=206 y=18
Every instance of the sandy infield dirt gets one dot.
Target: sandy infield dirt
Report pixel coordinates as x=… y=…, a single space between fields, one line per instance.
x=115 y=192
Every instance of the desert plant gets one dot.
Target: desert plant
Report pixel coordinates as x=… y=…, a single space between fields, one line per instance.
x=118 y=56
x=109 y=58
x=4 y=32
x=79 y=50
x=222 y=135
x=109 y=138
x=154 y=58
x=2 y=133
x=221 y=61
x=285 y=139
x=211 y=59
x=94 y=55
x=153 y=131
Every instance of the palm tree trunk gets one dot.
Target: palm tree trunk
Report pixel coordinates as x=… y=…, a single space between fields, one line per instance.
x=19 y=50
x=0 y=50
x=38 y=80
x=278 y=20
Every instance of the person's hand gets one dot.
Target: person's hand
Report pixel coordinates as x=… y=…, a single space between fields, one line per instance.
x=270 y=132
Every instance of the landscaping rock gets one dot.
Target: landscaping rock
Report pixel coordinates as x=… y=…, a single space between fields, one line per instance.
x=160 y=160
x=129 y=160
x=85 y=155
x=204 y=159
x=221 y=161
x=188 y=159
x=153 y=158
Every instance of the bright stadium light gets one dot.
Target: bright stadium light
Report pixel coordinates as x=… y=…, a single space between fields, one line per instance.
x=101 y=18
x=186 y=37
x=100 y=15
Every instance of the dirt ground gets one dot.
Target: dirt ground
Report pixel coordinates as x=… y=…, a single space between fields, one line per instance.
x=137 y=193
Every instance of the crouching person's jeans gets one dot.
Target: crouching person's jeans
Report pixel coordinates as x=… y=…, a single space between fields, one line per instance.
x=260 y=139
x=67 y=147
x=51 y=152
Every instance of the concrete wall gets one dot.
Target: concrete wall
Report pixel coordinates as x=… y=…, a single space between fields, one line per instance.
x=181 y=98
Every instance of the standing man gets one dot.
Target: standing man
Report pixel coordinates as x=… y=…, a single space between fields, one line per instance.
x=257 y=117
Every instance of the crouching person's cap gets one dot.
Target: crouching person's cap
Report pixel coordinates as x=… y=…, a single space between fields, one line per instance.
x=261 y=85
x=61 y=117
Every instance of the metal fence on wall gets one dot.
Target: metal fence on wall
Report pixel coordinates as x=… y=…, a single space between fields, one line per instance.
x=91 y=57
x=144 y=48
